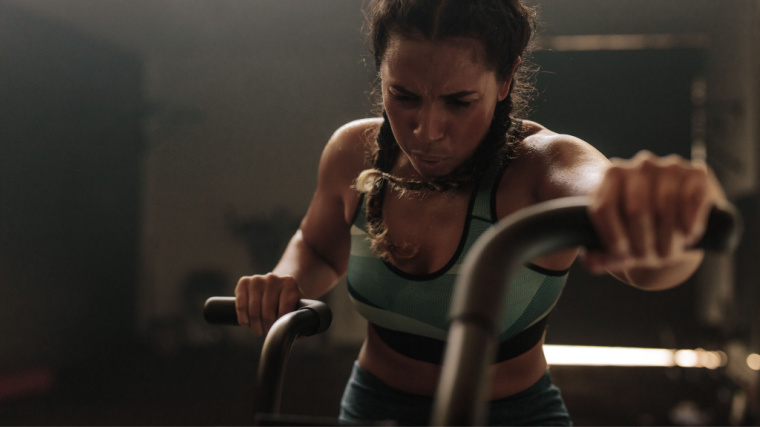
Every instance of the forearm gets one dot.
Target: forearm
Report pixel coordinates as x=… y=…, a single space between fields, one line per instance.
x=314 y=275
x=662 y=277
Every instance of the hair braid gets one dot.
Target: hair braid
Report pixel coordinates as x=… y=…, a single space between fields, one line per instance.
x=496 y=150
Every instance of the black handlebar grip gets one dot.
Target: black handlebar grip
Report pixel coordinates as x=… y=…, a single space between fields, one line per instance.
x=723 y=230
x=220 y=311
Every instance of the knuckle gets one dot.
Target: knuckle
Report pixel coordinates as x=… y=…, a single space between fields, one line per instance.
x=616 y=171
x=242 y=284
x=673 y=160
x=648 y=164
x=643 y=157
x=257 y=283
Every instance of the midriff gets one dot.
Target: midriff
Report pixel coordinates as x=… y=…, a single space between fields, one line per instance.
x=413 y=376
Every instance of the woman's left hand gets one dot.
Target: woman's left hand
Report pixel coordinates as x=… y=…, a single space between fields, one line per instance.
x=649 y=211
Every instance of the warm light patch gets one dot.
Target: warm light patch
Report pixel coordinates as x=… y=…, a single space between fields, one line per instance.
x=630 y=356
x=753 y=361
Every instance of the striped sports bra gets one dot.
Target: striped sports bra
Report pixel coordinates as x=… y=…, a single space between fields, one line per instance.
x=409 y=312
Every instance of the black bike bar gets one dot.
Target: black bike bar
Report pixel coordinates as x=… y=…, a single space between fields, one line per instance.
x=310 y=318
x=276 y=351
x=221 y=311
x=461 y=397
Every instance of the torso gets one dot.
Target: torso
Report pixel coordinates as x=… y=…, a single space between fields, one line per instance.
x=435 y=224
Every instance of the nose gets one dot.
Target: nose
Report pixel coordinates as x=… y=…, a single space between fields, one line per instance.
x=430 y=125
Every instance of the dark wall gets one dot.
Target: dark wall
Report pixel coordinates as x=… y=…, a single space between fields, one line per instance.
x=70 y=149
x=622 y=101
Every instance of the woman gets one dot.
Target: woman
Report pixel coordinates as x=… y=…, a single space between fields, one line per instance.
x=401 y=198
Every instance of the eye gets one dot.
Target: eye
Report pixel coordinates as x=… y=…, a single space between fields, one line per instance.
x=403 y=97
x=456 y=102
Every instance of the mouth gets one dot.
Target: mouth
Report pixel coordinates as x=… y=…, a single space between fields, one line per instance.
x=423 y=159
x=428 y=165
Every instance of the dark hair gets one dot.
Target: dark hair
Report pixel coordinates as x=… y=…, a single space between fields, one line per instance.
x=505 y=27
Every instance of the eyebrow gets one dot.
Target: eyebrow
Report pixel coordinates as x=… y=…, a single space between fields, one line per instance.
x=460 y=94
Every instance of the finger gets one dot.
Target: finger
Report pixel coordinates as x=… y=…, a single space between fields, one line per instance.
x=255 y=295
x=604 y=211
x=241 y=301
x=638 y=210
x=289 y=296
x=667 y=206
x=270 y=303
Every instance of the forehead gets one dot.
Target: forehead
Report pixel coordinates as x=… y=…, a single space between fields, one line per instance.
x=418 y=55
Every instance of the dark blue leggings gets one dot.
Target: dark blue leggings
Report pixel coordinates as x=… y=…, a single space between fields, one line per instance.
x=367 y=399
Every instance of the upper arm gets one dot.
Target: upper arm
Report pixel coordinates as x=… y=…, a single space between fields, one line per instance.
x=326 y=225
x=571 y=167
x=555 y=166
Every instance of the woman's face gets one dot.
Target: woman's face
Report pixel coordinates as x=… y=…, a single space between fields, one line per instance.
x=440 y=98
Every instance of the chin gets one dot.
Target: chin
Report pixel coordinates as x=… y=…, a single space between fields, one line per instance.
x=433 y=175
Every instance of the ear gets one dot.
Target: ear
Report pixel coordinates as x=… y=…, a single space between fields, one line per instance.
x=507 y=84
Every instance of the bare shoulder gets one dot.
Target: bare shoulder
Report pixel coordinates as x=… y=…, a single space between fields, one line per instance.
x=558 y=165
x=346 y=153
x=325 y=227
x=357 y=134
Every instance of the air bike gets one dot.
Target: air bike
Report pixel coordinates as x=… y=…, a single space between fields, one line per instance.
x=475 y=313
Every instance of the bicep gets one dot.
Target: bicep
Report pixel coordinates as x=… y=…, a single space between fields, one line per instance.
x=325 y=230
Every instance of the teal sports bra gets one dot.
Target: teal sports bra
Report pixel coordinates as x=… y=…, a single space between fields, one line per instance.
x=410 y=312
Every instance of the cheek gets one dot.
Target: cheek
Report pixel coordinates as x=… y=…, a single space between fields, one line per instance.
x=399 y=118
x=475 y=128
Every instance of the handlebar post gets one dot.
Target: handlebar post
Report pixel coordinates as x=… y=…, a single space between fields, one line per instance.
x=274 y=357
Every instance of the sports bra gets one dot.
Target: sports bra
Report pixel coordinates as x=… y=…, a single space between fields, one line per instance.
x=410 y=312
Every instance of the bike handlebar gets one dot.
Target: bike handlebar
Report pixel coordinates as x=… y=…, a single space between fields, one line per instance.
x=221 y=311
x=311 y=317
x=483 y=283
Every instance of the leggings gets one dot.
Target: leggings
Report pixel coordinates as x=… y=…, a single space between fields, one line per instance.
x=366 y=399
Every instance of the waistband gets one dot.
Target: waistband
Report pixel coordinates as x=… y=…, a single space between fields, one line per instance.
x=431 y=350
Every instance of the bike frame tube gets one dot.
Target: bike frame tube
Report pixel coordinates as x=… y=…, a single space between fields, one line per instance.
x=310 y=318
x=274 y=357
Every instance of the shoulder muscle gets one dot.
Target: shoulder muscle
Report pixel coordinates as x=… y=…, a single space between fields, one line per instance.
x=345 y=154
x=568 y=165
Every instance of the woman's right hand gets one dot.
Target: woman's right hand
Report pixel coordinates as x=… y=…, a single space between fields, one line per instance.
x=262 y=299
